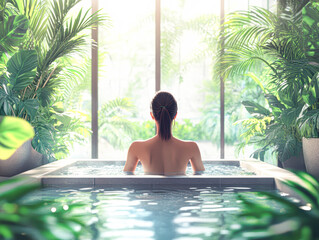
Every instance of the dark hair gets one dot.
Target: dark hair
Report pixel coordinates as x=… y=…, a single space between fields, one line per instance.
x=164 y=109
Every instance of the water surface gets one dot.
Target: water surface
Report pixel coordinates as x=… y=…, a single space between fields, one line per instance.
x=96 y=168
x=117 y=214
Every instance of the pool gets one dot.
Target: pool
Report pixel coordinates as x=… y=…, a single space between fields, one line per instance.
x=88 y=173
x=124 y=213
x=153 y=206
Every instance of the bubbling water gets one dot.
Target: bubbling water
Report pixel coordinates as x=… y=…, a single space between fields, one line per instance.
x=96 y=168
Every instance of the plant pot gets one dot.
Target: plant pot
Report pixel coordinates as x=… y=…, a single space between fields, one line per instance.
x=25 y=158
x=311 y=155
x=295 y=163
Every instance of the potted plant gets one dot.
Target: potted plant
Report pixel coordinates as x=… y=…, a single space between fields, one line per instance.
x=309 y=116
x=37 y=75
x=309 y=127
x=274 y=128
x=276 y=42
x=309 y=120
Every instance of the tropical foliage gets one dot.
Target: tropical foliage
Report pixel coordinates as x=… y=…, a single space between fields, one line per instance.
x=278 y=42
x=288 y=220
x=24 y=218
x=38 y=41
x=273 y=127
x=118 y=127
x=114 y=123
x=309 y=117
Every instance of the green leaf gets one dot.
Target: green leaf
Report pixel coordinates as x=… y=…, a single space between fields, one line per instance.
x=261 y=220
x=21 y=66
x=255 y=109
x=3 y=5
x=256 y=80
x=289 y=116
x=13 y=133
x=310 y=17
x=274 y=102
x=6 y=232
x=17 y=192
x=31 y=106
x=12 y=32
x=310 y=96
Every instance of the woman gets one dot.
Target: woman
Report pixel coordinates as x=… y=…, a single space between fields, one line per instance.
x=164 y=154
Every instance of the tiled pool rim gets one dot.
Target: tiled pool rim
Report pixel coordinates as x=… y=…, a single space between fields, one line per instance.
x=267 y=177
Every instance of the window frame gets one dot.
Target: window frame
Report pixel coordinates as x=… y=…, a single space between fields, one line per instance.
x=157 y=87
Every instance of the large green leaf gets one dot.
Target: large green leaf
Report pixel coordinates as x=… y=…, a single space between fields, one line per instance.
x=30 y=106
x=17 y=192
x=13 y=133
x=309 y=97
x=276 y=106
x=262 y=220
x=21 y=214
x=311 y=29
x=12 y=32
x=289 y=116
x=2 y=5
x=21 y=66
x=36 y=12
x=255 y=109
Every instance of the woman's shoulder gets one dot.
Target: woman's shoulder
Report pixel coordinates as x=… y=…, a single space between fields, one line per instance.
x=141 y=142
x=186 y=143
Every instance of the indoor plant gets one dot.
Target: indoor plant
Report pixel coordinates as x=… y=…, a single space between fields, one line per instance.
x=277 y=42
x=275 y=128
x=37 y=75
x=24 y=218
x=309 y=117
x=309 y=126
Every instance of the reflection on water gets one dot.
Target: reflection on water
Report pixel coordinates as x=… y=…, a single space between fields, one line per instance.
x=196 y=213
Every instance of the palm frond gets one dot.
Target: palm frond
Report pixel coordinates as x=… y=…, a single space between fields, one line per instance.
x=235 y=61
x=12 y=32
x=114 y=123
x=245 y=28
x=58 y=13
x=65 y=35
x=115 y=107
x=35 y=11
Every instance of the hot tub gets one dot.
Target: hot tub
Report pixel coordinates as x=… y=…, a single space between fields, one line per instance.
x=118 y=213
x=155 y=207
x=59 y=173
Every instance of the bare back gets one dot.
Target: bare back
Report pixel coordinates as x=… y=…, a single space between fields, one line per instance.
x=164 y=157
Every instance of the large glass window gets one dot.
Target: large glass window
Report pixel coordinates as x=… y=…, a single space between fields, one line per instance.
x=79 y=92
x=126 y=75
x=189 y=39
x=126 y=67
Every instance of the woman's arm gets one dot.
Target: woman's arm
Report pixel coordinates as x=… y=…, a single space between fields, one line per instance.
x=196 y=159
x=132 y=159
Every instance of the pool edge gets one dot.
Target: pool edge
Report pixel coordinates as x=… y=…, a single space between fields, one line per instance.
x=267 y=175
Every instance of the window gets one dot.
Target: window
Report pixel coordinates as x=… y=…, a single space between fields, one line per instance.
x=127 y=76
x=189 y=39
